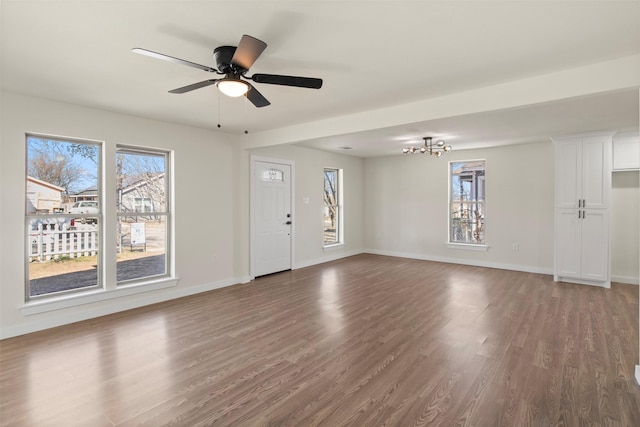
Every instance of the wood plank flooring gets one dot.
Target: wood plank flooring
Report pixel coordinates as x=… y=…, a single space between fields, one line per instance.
x=364 y=341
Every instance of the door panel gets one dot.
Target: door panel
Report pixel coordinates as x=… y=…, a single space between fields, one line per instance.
x=595 y=232
x=595 y=161
x=568 y=171
x=272 y=211
x=568 y=243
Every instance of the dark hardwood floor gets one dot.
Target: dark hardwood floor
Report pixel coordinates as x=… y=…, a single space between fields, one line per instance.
x=364 y=341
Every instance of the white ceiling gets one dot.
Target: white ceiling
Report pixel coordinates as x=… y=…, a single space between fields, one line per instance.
x=370 y=54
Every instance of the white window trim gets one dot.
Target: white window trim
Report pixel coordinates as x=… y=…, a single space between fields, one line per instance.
x=61 y=302
x=478 y=247
x=332 y=246
x=110 y=287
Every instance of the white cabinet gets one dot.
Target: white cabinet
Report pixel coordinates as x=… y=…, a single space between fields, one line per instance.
x=582 y=197
x=626 y=151
x=583 y=172
x=581 y=252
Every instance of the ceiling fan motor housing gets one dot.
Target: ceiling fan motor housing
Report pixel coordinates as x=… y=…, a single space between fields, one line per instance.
x=223 y=56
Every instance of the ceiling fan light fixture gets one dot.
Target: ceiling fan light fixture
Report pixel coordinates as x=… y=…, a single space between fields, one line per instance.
x=232 y=87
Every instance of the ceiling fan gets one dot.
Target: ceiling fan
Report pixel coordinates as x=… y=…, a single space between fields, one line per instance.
x=234 y=63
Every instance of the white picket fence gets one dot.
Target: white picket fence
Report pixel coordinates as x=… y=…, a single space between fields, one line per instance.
x=53 y=244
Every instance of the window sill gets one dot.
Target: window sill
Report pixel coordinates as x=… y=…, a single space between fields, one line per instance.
x=468 y=247
x=74 y=300
x=333 y=246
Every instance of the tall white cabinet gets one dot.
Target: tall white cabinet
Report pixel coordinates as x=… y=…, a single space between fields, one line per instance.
x=582 y=200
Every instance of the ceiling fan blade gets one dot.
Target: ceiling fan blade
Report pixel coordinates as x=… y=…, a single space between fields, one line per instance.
x=274 y=79
x=172 y=59
x=248 y=50
x=256 y=97
x=194 y=86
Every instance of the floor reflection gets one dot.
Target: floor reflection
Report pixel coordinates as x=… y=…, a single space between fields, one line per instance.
x=330 y=301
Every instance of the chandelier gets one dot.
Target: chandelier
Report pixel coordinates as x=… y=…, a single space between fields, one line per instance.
x=433 y=148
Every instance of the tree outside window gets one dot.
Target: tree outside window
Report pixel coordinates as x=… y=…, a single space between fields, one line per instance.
x=332 y=206
x=62 y=236
x=467 y=202
x=63 y=217
x=142 y=205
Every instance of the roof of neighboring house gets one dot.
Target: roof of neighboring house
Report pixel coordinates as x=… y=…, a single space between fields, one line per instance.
x=91 y=191
x=131 y=182
x=44 y=183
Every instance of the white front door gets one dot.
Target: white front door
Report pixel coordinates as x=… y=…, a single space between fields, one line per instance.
x=272 y=217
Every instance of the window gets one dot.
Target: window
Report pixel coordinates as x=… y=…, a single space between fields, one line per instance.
x=332 y=206
x=467 y=202
x=64 y=219
x=142 y=206
x=63 y=237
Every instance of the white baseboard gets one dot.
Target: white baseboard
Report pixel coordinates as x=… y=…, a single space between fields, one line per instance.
x=475 y=263
x=638 y=374
x=627 y=280
x=115 y=306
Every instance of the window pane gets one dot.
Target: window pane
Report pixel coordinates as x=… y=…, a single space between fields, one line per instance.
x=272 y=175
x=141 y=182
x=331 y=206
x=467 y=202
x=63 y=255
x=63 y=244
x=142 y=200
x=142 y=247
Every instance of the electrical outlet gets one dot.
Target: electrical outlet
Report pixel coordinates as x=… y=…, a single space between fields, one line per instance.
x=214 y=257
x=516 y=247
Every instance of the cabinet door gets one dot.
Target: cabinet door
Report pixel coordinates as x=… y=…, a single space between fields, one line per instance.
x=568 y=241
x=568 y=172
x=596 y=171
x=626 y=153
x=595 y=245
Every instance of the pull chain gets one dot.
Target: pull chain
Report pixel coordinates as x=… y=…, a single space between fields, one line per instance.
x=219 y=110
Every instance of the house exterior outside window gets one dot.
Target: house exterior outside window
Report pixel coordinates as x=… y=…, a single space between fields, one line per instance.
x=467 y=202
x=142 y=233
x=65 y=226
x=64 y=249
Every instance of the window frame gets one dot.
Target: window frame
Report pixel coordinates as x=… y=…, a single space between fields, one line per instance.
x=338 y=207
x=28 y=217
x=107 y=269
x=166 y=213
x=467 y=245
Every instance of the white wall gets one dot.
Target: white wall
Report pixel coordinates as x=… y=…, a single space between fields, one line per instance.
x=406 y=201
x=204 y=202
x=625 y=227
x=309 y=183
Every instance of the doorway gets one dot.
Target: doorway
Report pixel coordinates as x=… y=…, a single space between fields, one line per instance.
x=271 y=215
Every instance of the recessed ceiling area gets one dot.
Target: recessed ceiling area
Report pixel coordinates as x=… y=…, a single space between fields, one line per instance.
x=371 y=55
x=533 y=123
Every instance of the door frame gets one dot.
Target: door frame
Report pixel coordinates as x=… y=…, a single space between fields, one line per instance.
x=252 y=193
